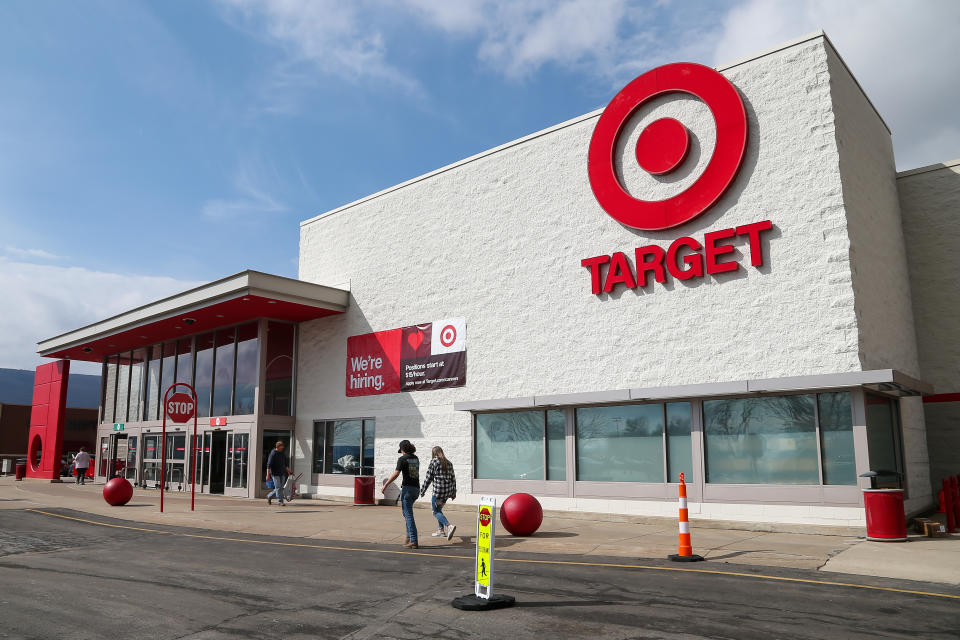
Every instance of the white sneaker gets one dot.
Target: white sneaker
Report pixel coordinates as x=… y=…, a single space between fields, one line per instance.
x=437 y=534
x=450 y=531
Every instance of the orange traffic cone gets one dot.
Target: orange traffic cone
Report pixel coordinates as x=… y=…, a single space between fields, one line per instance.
x=685 y=549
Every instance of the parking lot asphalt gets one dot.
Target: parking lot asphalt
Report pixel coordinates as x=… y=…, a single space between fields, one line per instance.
x=67 y=573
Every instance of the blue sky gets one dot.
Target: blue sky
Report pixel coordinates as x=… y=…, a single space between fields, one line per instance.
x=148 y=146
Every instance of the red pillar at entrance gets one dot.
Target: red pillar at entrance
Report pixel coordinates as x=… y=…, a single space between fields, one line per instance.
x=45 y=442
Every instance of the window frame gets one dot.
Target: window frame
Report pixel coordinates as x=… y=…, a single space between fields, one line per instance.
x=699 y=490
x=340 y=479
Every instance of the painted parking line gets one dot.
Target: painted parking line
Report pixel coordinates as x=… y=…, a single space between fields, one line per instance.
x=572 y=563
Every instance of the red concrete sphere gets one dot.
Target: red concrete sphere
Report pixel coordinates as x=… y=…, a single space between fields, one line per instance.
x=521 y=514
x=118 y=492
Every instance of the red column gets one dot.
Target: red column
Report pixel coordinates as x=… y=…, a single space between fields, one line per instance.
x=47 y=420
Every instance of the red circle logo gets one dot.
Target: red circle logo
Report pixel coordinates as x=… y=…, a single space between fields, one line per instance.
x=448 y=335
x=663 y=146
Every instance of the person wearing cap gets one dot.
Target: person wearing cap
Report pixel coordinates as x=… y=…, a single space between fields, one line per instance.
x=408 y=465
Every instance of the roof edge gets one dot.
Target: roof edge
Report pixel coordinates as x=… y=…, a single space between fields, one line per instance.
x=938 y=166
x=247 y=282
x=567 y=123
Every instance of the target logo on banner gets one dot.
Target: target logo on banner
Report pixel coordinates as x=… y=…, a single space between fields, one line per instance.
x=448 y=336
x=663 y=145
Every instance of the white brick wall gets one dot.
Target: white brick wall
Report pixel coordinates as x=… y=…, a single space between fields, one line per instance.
x=878 y=262
x=499 y=239
x=930 y=204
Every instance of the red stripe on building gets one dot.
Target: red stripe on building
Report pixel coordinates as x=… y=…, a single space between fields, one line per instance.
x=942 y=397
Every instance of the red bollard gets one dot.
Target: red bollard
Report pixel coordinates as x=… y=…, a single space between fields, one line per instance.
x=941 y=505
x=948 y=503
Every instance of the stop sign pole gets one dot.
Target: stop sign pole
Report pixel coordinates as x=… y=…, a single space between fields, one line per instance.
x=180 y=407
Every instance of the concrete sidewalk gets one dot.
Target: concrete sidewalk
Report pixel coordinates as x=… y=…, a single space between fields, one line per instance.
x=575 y=534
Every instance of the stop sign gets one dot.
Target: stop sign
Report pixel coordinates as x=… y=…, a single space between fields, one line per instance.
x=181 y=407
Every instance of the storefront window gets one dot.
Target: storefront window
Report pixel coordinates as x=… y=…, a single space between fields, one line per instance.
x=167 y=374
x=768 y=440
x=223 y=377
x=246 y=377
x=184 y=362
x=204 y=373
x=343 y=446
x=123 y=388
x=510 y=445
x=239 y=454
x=556 y=444
x=102 y=456
x=883 y=439
x=109 y=389
x=366 y=468
x=131 y=466
x=319 y=445
x=836 y=438
x=679 y=446
x=279 y=369
x=620 y=444
x=137 y=369
x=153 y=383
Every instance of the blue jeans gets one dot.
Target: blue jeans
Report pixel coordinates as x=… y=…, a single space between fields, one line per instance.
x=278 y=482
x=438 y=512
x=409 y=495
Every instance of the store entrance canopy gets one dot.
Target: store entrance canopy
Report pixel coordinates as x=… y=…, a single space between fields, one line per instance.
x=235 y=299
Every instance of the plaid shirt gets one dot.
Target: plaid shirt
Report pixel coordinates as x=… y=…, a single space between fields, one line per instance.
x=444 y=483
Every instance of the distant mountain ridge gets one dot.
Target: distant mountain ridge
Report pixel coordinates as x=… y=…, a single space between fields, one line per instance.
x=16 y=387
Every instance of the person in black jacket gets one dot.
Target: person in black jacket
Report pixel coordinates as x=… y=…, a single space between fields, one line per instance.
x=278 y=469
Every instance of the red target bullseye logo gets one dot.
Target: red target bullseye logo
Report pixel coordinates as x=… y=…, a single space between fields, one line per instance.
x=448 y=335
x=663 y=146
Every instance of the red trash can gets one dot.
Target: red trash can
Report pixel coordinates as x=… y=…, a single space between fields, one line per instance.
x=363 y=490
x=21 y=471
x=886 y=521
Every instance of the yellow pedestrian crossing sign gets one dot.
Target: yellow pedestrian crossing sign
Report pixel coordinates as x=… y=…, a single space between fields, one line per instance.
x=486 y=526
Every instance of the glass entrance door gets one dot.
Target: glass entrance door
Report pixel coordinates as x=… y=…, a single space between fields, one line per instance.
x=222 y=461
x=150 y=470
x=116 y=456
x=237 y=464
x=270 y=440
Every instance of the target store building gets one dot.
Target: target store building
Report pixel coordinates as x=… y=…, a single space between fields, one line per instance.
x=721 y=273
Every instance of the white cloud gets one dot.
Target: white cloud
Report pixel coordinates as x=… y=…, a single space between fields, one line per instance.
x=902 y=53
x=27 y=254
x=252 y=197
x=331 y=36
x=517 y=38
x=42 y=301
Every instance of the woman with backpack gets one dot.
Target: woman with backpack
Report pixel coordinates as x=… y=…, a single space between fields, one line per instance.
x=440 y=473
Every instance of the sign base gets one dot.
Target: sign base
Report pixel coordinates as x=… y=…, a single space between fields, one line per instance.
x=472 y=602
x=679 y=558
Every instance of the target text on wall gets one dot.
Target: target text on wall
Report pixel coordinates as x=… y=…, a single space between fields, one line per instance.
x=684 y=259
x=415 y=358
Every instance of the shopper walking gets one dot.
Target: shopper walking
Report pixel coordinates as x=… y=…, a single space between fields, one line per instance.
x=440 y=473
x=408 y=465
x=81 y=462
x=278 y=468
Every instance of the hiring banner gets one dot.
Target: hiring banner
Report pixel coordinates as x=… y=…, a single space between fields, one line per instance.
x=486 y=533
x=415 y=358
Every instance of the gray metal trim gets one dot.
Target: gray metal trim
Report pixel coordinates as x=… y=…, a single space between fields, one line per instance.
x=495 y=405
x=589 y=397
x=690 y=390
x=819 y=382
